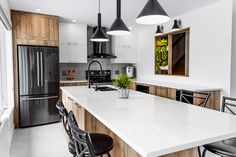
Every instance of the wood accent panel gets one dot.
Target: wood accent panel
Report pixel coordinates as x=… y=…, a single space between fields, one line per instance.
x=172 y=93
x=73 y=84
x=170 y=55
x=132 y=86
x=31 y=29
x=161 y=91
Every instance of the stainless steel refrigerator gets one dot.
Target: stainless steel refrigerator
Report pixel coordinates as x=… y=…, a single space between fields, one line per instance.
x=38 y=72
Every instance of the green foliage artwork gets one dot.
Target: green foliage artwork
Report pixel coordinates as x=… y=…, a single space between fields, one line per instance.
x=161 y=54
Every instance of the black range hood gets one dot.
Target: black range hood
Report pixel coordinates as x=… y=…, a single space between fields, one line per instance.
x=101 y=50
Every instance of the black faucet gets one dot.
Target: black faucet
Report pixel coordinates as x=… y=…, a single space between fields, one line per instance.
x=95 y=61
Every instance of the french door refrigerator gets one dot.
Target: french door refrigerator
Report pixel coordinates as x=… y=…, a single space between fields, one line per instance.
x=38 y=72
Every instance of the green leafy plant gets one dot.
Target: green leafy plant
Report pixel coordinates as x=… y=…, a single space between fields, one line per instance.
x=161 y=53
x=122 y=81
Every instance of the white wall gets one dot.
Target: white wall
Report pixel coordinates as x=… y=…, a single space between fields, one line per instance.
x=233 y=63
x=6 y=7
x=210 y=47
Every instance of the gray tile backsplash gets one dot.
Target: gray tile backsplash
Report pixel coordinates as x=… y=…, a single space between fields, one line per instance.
x=80 y=68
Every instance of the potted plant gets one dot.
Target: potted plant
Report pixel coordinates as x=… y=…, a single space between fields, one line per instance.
x=122 y=82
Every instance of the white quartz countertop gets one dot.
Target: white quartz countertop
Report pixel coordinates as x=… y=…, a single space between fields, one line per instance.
x=186 y=86
x=155 y=126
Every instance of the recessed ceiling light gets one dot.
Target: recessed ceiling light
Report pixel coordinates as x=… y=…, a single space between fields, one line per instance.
x=74 y=21
x=38 y=10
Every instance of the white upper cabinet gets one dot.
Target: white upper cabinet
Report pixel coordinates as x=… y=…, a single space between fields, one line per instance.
x=125 y=48
x=73 y=42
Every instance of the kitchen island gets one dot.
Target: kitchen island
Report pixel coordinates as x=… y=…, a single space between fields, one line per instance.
x=146 y=125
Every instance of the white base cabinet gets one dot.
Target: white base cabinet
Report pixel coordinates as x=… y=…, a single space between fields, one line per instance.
x=72 y=42
x=125 y=48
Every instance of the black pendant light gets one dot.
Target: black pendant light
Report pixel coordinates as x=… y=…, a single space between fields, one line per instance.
x=152 y=13
x=99 y=35
x=176 y=25
x=118 y=27
x=159 y=31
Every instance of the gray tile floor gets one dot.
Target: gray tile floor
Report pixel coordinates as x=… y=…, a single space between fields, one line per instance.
x=42 y=141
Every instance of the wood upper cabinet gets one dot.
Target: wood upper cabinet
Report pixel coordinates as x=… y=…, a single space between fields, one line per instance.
x=35 y=29
x=54 y=29
x=20 y=21
x=39 y=27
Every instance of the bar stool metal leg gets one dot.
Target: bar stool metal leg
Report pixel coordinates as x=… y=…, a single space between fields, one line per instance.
x=199 y=152
x=204 y=153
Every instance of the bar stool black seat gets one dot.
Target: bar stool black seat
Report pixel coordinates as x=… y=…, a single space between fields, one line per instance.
x=102 y=144
x=225 y=148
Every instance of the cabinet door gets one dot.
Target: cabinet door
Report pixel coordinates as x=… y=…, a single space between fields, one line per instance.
x=73 y=54
x=79 y=115
x=124 y=47
x=54 y=29
x=129 y=39
x=125 y=54
x=22 y=25
x=72 y=33
x=73 y=43
x=39 y=28
x=162 y=92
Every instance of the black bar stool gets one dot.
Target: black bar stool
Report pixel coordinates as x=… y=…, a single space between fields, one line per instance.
x=102 y=144
x=189 y=96
x=225 y=148
x=87 y=144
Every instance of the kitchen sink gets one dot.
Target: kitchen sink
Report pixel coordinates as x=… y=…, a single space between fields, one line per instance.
x=104 y=88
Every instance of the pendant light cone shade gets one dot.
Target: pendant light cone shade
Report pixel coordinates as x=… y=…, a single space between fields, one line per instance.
x=159 y=31
x=99 y=35
x=152 y=13
x=118 y=27
x=175 y=26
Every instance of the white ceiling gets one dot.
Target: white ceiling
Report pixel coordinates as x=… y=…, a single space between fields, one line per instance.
x=85 y=11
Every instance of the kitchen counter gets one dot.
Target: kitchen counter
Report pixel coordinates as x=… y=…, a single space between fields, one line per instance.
x=73 y=81
x=186 y=86
x=154 y=126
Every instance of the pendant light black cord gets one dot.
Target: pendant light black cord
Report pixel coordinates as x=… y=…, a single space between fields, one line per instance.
x=118 y=8
x=99 y=16
x=99 y=10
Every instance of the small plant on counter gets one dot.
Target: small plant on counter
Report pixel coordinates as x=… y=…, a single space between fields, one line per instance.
x=122 y=82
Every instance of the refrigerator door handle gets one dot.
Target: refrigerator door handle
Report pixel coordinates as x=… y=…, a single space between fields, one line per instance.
x=38 y=83
x=41 y=66
x=41 y=98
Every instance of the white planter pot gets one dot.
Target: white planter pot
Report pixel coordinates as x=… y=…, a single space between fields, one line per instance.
x=123 y=93
x=164 y=67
